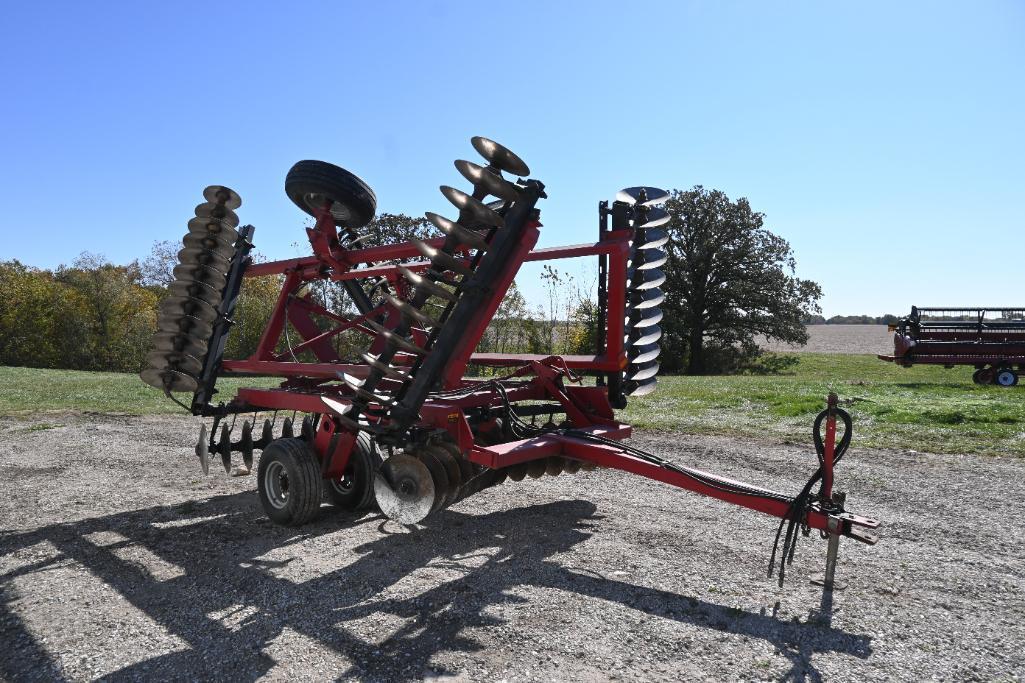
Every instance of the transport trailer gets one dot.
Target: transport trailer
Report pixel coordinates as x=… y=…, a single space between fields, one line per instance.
x=388 y=419
x=991 y=339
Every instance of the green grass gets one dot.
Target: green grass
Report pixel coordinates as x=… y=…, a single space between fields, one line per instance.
x=921 y=408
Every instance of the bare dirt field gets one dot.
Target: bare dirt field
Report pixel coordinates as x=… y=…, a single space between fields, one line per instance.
x=839 y=339
x=120 y=561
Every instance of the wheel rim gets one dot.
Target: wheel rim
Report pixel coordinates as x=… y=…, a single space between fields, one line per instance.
x=275 y=483
x=1005 y=378
x=344 y=485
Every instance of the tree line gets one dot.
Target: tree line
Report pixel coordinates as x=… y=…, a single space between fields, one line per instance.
x=729 y=279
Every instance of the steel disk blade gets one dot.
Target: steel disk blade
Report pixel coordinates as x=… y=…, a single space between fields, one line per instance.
x=444 y=261
x=204 y=257
x=652 y=217
x=636 y=373
x=493 y=183
x=642 y=354
x=210 y=242
x=648 y=259
x=219 y=194
x=223 y=446
x=182 y=362
x=646 y=279
x=287 y=429
x=474 y=208
x=517 y=472
x=571 y=466
x=245 y=444
x=652 y=195
x=439 y=475
x=171 y=380
x=177 y=342
x=500 y=477
x=198 y=290
x=203 y=450
x=452 y=471
x=555 y=465
x=537 y=468
x=209 y=225
x=645 y=318
x=499 y=156
x=650 y=238
x=648 y=298
x=188 y=305
x=467 y=470
x=457 y=232
x=646 y=336
x=426 y=284
x=221 y=213
x=404 y=489
x=642 y=388
x=202 y=274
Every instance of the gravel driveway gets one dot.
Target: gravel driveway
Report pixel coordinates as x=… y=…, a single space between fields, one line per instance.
x=119 y=560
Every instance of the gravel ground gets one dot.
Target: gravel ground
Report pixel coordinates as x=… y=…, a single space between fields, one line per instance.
x=839 y=339
x=119 y=560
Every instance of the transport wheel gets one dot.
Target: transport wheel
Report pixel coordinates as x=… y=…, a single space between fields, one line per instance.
x=355 y=489
x=289 y=482
x=312 y=184
x=1006 y=377
x=986 y=375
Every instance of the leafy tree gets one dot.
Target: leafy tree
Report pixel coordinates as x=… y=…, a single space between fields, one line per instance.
x=728 y=280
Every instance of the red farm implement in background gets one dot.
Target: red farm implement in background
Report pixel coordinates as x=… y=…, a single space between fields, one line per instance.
x=991 y=339
x=398 y=425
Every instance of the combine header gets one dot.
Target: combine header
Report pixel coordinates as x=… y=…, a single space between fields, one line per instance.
x=990 y=339
x=397 y=424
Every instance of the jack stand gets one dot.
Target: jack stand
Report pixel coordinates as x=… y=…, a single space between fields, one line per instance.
x=827 y=579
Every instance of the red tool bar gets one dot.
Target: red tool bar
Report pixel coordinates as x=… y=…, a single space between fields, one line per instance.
x=282 y=399
x=515 y=452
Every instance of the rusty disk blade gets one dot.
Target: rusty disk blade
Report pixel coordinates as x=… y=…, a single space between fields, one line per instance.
x=185 y=324
x=426 y=284
x=492 y=181
x=180 y=343
x=440 y=476
x=209 y=225
x=191 y=288
x=219 y=194
x=499 y=156
x=536 y=468
x=167 y=379
x=203 y=450
x=457 y=232
x=204 y=257
x=189 y=305
x=182 y=362
x=404 y=489
x=209 y=242
x=475 y=209
x=647 y=196
x=218 y=211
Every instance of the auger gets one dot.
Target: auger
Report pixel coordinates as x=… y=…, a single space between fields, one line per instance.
x=392 y=420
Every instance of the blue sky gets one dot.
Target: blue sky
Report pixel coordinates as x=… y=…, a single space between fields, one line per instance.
x=884 y=140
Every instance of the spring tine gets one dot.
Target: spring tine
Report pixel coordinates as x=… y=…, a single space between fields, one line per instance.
x=401 y=342
x=219 y=194
x=457 y=232
x=471 y=207
x=492 y=181
x=441 y=259
x=385 y=369
x=499 y=156
x=427 y=285
x=410 y=311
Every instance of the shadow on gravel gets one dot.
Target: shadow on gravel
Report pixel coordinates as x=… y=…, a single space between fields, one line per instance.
x=228 y=604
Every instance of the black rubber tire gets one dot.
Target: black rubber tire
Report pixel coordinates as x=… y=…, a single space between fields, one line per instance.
x=356 y=490
x=309 y=183
x=304 y=487
x=975 y=376
x=987 y=375
x=1005 y=377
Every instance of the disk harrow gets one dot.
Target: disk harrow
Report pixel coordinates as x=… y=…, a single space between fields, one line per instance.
x=388 y=417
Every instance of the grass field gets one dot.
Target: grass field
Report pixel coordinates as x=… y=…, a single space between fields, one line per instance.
x=921 y=408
